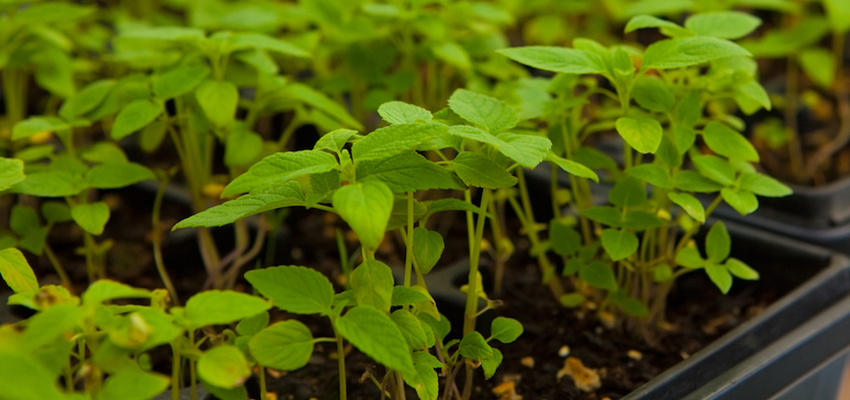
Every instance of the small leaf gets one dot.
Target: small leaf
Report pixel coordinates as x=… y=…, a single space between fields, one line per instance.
x=564 y=238
x=106 y=290
x=427 y=248
x=479 y=171
x=224 y=366
x=299 y=290
x=738 y=268
x=375 y=334
x=33 y=381
x=717 y=243
x=689 y=257
x=641 y=133
x=366 y=207
x=819 y=64
x=763 y=185
x=653 y=94
x=178 y=81
x=556 y=59
x=372 y=283
x=242 y=147
x=648 y=21
x=285 y=195
x=629 y=304
x=688 y=51
x=278 y=168
x=505 y=330
x=11 y=172
x=725 y=141
x=135 y=116
x=133 y=384
x=243 y=40
x=16 y=271
x=218 y=100
x=692 y=181
x=425 y=382
x=489 y=365
x=412 y=330
x=839 y=15
x=526 y=150
x=619 y=244
x=35 y=125
x=743 y=201
x=91 y=217
x=720 y=276
x=573 y=167
x=408 y=171
x=113 y=176
x=394 y=139
x=453 y=54
x=252 y=325
x=603 y=214
x=217 y=307
x=599 y=274
x=473 y=347
x=690 y=204
x=628 y=192
x=482 y=110
x=284 y=346
x=724 y=24
x=641 y=220
x=653 y=174
x=397 y=112
x=86 y=99
x=715 y=168
x=334 y=140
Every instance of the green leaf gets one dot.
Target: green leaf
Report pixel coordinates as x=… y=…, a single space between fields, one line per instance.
x=603 y=214
x=819 y=64
x=662 y=273
x=286 y=195
x=628 y=192
x=726 y=142
x=412 y=330
x=629 y=304
x=763 y=185
x=375 y=334
x=320 y=101
x=754 y=91
x=106 y=290
x=724 y=24
x=50 y=13
x=526 y=150
x=685 y=52
x=505 y=330
x=372 y=283
x=619 y=244
x=113 y=176
x=135 y=116
x=11 y=172
x=55 y=211
x=689 y=257
x=178 y=81
x=242 y=147
x=35 y=125
x=23 y=219
x=741 y=270
x=334 y=140
x=406 y=172
x=103 y=152
x=641 y=220
x=453 y=54
x=299 y=290
x=653 y=94
x=648 y=21
x=573 y=167
x=482 y=110
x=599 y=274
x=474 y=347
x=32 y=380
x=86 y=99
x=564 y=239
x=165 y=33
x=278 y=168
x=252 y=325
x=641 y=133
x=743 y=201
x=92 y=217
x=720 y=276
x=690 y=204
x=425 y=382
x=16 y=271
x=224 y=366
x=217 y=307
x=489 y=365
x=653 y=174
x=284 y=346
x=715 y=168
x=218 y=100
x=397 y=112
x=427 y=248
x=366 y=207
x=556 y=59
x=692 y=181
x=244 y=40
x=404 y=295
x=839 y=15
x=133 y=384
x=394 y=139
x=717 y=243
x=479 y=171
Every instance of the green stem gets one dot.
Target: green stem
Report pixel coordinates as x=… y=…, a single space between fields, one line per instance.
x=263 y=391
x=408 y=259
x=340 y=350
x=57 y=266
x=546 y=267
x=472 y=288
x=175 y=372
x=156 y=241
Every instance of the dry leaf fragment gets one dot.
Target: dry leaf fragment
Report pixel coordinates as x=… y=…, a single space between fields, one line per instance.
x=634 y=355
x=507 y=391
x=527 y=361
x=586 y=379
x=564 y=351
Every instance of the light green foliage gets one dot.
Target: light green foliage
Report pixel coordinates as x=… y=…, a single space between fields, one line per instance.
x=223 y=366
x=366 y=207
x=642 y=134
x=295 y=289
x=278 y=168
x=11 y=172
x=484 y=111
x=36 y=125
x=473 y=346
x=375 y=334
x=215 y=307
x=218 y=100
x=135 y=116
x=91 y=217
x=477 y=170
x=408 y=171
x=728 y=143
x=16 y=271
x=286 y=195
x=689 y=51
x=725 y=25
x=283 y=345
x=397 y=112
x=105 y=290
x=372 y=283
x=394 y=139
x=427 y=248
x=134 y=385
x=556 y=59
x=819 y=64
x=505 y=330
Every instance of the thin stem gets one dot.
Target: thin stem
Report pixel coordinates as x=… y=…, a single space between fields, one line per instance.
x=57 y=266
x=472 y=288
x=340 y=350
x=175 y=372
x=262 y=374
x=546 y=267
x=156 y=240
x=408 y=259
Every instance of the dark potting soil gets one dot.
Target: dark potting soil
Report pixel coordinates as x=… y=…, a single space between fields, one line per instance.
x=697 y=312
